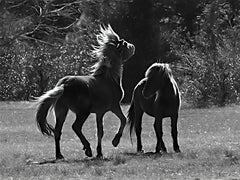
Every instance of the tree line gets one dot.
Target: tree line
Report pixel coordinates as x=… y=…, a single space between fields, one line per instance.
x=44 y=40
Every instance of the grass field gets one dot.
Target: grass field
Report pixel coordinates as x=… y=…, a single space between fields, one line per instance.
x=209 y=140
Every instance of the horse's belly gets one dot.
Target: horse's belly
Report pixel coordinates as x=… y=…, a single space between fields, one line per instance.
x=104 y=97
x=100 y=107
x=165 y=109
x=147 y=106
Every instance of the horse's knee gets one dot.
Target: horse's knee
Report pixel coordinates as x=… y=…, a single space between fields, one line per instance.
x=75 y=127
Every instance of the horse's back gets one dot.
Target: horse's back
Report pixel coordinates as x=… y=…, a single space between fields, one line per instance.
x=89 y=92
x=76 y=94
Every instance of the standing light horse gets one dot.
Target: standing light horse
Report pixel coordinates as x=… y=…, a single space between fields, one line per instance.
x=158 y=96
x=96 y=93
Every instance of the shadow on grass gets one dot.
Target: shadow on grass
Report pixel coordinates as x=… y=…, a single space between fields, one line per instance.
x=116 y=159
x=143 y=154
x=93 y=160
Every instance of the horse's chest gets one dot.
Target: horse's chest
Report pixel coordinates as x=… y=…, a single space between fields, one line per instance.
x=104 y=96
x=118 y=93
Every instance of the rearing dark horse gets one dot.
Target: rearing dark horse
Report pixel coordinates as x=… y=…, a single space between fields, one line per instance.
x=96 y=93
x=158 y=96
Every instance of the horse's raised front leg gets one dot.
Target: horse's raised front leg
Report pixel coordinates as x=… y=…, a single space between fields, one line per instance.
x=159 y=133
x=174 y=132
x=77 y=127
x=100 y=133
x=118 y=112
x=60 y=114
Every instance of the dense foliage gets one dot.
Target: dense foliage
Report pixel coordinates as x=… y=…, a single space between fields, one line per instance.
x=42 y=41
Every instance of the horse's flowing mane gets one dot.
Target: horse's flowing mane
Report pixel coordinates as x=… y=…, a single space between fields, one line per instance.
x=164 y=67
x=160 y=66
x=104 y=65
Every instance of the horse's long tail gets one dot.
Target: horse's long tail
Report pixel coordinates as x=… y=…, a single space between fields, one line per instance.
x=131 y=118
x=45 y=102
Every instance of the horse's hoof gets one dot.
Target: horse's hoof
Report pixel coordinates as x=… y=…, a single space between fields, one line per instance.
x=139 y=152
x=59 y=157
x=99 y=156
x=116 y=140
x=158 y=154
x=177 y=150
x=163 y=150
x=59 y=160
x=88 y=152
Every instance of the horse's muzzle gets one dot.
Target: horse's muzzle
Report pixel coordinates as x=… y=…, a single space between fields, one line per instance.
x=131 y=48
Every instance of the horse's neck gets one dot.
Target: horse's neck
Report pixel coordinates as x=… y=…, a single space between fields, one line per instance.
x=113 y=73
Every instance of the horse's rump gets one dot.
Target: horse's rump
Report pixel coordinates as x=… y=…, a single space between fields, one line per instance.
x=45 y=102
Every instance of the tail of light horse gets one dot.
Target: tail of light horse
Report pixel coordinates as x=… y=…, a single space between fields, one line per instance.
x=46 y=102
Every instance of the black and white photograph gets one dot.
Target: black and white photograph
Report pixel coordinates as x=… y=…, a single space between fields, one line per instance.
x=120 y=89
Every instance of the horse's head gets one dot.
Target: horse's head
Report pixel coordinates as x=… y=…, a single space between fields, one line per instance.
x=111 y=49
x=156 y=76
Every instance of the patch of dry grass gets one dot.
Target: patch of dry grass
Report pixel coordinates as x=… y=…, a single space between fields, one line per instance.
x=209 y=140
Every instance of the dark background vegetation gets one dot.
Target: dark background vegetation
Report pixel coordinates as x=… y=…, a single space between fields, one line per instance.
x=44 y=40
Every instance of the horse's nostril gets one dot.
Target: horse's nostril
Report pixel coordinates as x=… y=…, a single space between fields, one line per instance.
x=133 y=49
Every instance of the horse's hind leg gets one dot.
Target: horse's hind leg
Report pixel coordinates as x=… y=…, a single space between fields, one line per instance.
x=77 y=127
x=118 y=112
x=174 y=132
x=159 y=133
x=99 y=134
x=60 y=113
x=138 y=126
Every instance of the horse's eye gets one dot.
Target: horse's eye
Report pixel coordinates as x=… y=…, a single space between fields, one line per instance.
x=120 y=43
